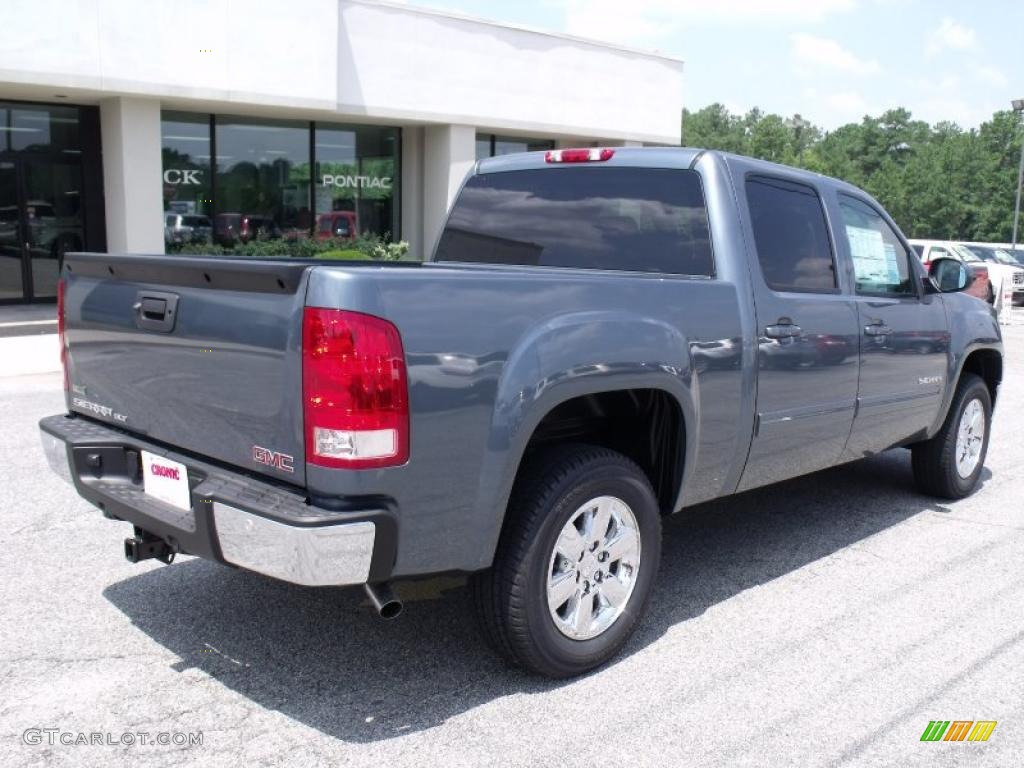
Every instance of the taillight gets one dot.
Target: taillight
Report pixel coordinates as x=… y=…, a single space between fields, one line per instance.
x=595 y=154
x=354 y=389
x=61 y=339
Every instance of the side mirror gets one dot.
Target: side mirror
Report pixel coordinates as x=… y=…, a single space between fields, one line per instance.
x=951 y=275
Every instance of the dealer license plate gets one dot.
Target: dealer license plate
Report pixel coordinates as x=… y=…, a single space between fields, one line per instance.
x=166 y=480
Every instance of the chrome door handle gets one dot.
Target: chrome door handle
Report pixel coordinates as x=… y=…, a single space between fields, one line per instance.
x=877 y=329
x=783 y=331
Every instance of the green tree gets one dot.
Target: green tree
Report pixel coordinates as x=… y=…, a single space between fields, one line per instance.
x=936 y=181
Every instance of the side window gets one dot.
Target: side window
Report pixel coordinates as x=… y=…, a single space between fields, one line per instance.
x=938 y=252
x=880 y=262
x=791 y=236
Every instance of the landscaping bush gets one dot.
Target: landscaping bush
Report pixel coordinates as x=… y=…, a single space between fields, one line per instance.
x=366 y=246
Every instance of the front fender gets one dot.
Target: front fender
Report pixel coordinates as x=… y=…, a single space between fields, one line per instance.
x=569 y=356
x=973 y=326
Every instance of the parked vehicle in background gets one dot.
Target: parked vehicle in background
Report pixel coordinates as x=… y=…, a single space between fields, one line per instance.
x=231 y=228
x=602 y=337
x=1000 y=261
x=182 y=228
x=929 y=250
x=337 y=224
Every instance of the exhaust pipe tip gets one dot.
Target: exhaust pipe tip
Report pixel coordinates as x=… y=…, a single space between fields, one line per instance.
x=384 y=600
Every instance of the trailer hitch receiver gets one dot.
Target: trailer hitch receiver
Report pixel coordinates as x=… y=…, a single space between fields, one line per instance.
x=146 y=546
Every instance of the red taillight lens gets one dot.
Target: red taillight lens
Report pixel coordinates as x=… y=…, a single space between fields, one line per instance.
x=61 y=339
x=354 y=389
x=594 y=154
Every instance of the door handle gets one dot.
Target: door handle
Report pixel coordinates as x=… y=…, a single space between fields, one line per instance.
x=155 y=310
x=783 y=329
x=877 y=329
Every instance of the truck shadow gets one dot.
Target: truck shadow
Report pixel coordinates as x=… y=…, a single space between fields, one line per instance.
x=319 y=656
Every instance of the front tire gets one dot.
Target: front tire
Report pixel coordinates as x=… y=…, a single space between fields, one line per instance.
x=575 y=564
x=949 y=465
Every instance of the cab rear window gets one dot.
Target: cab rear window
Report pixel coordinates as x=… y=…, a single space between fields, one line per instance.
x=635 y=219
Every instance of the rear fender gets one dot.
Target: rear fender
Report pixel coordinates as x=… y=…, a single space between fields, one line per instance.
x=564 y=358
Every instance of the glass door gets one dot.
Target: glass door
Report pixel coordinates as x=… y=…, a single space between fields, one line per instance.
x=11 y=279
x=40 y=221
x=52 y=199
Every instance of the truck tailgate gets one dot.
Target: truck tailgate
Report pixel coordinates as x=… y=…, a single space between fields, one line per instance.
x=202 y=354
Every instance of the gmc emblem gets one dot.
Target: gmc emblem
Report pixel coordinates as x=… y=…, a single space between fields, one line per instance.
x=281 y=461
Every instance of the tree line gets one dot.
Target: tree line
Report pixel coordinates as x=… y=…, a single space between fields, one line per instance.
x=937 y=181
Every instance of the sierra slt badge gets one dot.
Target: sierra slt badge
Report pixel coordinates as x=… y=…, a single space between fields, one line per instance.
x=100 y=410
x=925 y=380
x=275 y=459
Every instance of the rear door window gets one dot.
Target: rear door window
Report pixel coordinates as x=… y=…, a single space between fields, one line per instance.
x=635 y=219
x=791 y=236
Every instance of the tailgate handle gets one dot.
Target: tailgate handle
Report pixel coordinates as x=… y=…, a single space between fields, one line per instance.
x=155 y=310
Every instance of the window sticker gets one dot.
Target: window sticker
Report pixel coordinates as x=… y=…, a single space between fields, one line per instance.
x=892 y=262
x=874 y=260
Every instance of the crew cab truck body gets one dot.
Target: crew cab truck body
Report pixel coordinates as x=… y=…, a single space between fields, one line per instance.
x=602 y=337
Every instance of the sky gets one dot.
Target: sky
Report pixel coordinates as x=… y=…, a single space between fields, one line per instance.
x=832 y=61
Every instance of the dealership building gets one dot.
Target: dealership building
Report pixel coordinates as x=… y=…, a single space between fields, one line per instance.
x=123 y=123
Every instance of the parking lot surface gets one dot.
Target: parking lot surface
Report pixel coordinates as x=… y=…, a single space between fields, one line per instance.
x=823 y=621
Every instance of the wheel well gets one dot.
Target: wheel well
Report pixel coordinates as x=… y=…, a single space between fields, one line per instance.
x=988 y=364
x=644 y=424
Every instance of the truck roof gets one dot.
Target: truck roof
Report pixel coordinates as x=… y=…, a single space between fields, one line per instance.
x=658 y=157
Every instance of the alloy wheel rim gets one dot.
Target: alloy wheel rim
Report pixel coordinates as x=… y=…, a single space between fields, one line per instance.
x=970 y=437
x=593 y=568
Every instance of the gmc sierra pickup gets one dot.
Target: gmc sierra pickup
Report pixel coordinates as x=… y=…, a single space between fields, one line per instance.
x=602 y=337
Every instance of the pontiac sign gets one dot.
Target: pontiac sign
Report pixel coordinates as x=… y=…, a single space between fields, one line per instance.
x=357 y=182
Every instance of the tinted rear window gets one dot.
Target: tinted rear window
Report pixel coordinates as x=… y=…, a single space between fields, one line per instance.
x=637 y=219
x=791 y=236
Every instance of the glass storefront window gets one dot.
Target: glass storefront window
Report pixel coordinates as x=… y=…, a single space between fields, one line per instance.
x=356 y=169
x=186 y=177
x=31 y=128
x=483 y=145
x=262 y=180
x=232 y=180
x=489 y=145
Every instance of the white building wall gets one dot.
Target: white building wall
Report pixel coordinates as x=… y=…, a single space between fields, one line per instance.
x=412 y=190
x=361 y=59
x=449 y=152
x=455 y=70
x=130 y=135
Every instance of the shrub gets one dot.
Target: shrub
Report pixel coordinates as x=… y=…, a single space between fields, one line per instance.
x=344 y=254
x=366 y=246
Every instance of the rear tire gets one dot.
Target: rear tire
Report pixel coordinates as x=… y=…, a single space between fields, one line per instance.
x=559 y=613
x=949 y=465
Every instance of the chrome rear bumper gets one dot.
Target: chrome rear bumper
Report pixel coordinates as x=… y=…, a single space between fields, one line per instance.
x=234 y=518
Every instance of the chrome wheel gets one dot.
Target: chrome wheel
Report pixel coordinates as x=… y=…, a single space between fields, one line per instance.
x=970 y=437
x=593 y=568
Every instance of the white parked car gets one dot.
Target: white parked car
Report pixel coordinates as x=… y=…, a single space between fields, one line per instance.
x=1001 y=259
x=927 y=250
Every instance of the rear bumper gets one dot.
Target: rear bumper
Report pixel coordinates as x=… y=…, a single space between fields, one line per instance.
x=235 y=518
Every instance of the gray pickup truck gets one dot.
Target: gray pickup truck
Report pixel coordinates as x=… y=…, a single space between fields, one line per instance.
x=602 y=337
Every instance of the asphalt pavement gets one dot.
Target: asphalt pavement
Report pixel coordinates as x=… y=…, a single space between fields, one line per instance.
x=823 y=621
